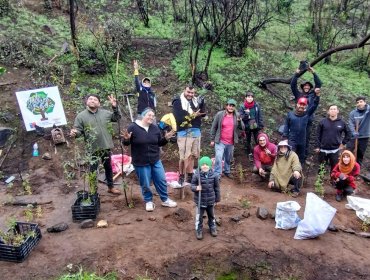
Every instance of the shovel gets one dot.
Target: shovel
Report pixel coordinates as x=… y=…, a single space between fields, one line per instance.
x=62 y=51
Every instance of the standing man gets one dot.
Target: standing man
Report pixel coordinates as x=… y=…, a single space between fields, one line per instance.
x=359 y=125
x=224 y=134
x=188 y=111
x=296 y=126
x=332 y=136
x=309 y=91
x=94 y=124
x=146 y=96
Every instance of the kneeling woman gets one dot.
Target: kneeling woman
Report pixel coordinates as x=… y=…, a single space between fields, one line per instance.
x=145 y=139
x=344 y=175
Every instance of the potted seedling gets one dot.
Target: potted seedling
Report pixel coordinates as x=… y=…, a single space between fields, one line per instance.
x=87 y=204
x=18 y=240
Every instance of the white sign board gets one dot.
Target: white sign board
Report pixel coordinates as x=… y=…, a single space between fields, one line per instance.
x=42 y=107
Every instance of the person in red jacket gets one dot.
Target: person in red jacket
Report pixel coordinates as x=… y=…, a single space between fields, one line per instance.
x=344 y=175
x=264 y=154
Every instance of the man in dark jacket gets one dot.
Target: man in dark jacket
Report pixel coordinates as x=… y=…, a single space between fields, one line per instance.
x=224 y=134
x=308 y=91
x=188 y=111
x=359 y=125
x=93 y=123
x=330 y=140
x=146 y=96
x=296 y=126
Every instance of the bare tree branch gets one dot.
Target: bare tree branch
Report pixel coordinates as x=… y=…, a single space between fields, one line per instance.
x=329 y=52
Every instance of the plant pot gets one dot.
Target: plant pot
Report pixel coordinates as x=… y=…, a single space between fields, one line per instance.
x=82 y=194
x=19 y=253
x=82 y=210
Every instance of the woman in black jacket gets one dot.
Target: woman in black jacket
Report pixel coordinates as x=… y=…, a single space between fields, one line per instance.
x=145 y=139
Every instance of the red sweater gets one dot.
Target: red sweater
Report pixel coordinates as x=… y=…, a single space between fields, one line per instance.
x=260 y=156
x=351 y=177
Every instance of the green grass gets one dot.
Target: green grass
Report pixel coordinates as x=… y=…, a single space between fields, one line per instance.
x=84 y=275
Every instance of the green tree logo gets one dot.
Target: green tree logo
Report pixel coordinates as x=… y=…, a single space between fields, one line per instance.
x=40 y=104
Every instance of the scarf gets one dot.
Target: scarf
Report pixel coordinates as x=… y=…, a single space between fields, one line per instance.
x=186 y=104
x=249 y=105
x=346 y=169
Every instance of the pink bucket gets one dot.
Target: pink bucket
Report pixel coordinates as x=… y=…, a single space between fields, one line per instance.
x=117 y=160
x=172 y=176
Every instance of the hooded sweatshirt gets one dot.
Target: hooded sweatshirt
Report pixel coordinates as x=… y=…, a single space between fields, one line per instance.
x=363 y=119
x=259 y=153
x=146 y=99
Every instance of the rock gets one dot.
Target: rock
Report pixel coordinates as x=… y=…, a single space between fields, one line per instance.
x=102 y=224
x=58 y=227
x=235 y=219
x=246 y=214
x=152 y=218
x=139 y=219
x=46 y=156
x=262 y=213
x=363 y=234
x=87 y=223
x=218 y=221
x=333 y=228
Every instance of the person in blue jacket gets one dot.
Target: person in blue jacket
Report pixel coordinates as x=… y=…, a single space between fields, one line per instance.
x=296 y=122
x=308 y=90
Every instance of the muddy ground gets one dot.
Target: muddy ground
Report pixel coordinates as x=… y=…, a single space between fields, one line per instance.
x=162 y=244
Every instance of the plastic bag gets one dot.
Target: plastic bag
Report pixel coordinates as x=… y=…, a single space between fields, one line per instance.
x=318 y=215
x=360 y=205
x=286 y=216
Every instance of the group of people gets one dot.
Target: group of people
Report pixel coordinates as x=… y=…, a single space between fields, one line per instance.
x=280 y=165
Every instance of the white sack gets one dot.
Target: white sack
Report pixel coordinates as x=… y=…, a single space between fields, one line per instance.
x=360 y=205
x=286 y=216
x=318 y=215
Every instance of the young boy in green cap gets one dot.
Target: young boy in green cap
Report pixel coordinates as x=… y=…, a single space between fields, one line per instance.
x=206 y=188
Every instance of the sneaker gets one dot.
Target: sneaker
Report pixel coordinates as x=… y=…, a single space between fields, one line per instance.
x=228 y=175
x=295 y=194
x=199 y=234
x=213 y=232
x=169 y=203
x=114 y=191
x=338 y=197
x=149 y=206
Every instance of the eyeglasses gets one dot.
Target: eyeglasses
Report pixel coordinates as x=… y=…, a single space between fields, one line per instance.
x=232 y=105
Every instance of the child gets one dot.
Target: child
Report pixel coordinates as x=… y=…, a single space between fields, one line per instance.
x=344 y=175
x=209 y=191
x=146 y=97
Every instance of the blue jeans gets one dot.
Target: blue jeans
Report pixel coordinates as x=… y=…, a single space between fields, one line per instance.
x=223 y=152
x=156 y=173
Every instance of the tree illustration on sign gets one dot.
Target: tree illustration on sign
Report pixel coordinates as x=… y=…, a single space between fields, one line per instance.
x=40 y=104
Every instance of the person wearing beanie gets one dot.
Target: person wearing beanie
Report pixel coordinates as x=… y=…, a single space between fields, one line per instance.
x=206 y=184
x=264 y=155
x=251 y=115
x=286 y=170
x=224 y=135
x=296 y=123
x=94 y=124
x=146 y=96
x=359 y=125
x=344 y=175
x=145 y=139
x=188 y=110
x=309 y=91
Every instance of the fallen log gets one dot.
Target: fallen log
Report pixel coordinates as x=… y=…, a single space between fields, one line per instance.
x=26 y=203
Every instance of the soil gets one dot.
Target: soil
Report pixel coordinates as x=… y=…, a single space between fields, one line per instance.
x=162 y=244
